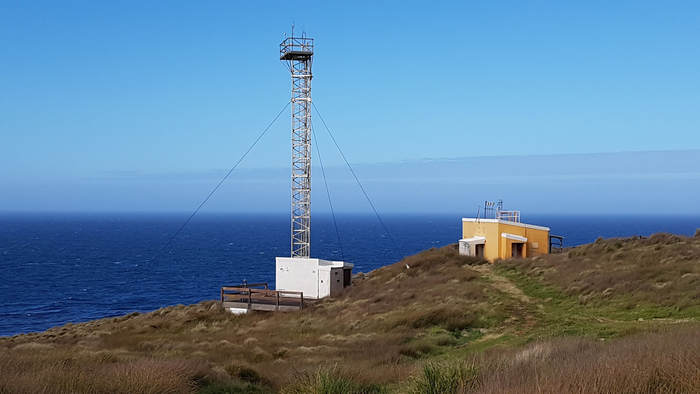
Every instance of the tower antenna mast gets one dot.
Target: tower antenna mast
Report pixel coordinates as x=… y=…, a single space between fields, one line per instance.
x=297 y=55
x=300 y=274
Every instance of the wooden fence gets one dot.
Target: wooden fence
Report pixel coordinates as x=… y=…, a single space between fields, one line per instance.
x=257 y=296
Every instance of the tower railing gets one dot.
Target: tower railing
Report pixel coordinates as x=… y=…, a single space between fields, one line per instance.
x=292 y=45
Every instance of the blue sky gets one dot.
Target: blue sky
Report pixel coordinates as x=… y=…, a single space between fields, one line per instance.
x=141 y=105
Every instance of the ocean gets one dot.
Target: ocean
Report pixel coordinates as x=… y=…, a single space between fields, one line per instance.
x=60 y=268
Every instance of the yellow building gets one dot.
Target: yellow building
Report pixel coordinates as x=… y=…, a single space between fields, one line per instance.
x=502 y=237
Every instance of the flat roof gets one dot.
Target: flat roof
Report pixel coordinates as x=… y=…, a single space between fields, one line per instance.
x=532 y=226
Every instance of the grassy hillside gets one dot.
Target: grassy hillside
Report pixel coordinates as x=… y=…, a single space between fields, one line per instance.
x=615 y=316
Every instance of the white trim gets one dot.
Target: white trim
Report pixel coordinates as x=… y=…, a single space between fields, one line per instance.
x=532 y=226
x=513 y=237
x=474 y=240
x=335 y=264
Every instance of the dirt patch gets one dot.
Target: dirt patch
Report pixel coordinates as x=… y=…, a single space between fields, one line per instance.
x=502 y=283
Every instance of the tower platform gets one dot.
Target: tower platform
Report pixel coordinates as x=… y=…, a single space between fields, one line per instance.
x=296 y=55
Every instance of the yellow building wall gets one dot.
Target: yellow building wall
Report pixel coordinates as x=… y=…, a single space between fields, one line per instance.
x=507 y=248
x=468 y=229
x=499 y=247
x=489 y=230
x=535 y=237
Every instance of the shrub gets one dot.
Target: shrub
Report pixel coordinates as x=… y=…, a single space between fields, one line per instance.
x=329 y=381
x=448 y=340
x=235 y=388
x=416 y=349
x=244 y=373
x=442 y=378
x=450 y=318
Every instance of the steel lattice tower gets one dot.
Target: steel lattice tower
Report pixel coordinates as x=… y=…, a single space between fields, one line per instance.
x=297 y=55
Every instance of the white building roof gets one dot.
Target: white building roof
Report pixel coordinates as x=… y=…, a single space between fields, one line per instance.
x=335 y=264
x=532 y=226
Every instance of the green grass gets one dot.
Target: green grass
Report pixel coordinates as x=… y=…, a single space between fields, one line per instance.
x=567 y=315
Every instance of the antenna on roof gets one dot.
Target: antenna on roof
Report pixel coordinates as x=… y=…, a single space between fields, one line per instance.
x=488 y=209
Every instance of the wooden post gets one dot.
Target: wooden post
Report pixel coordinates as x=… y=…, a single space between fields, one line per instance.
x=301 y=301
x=221 y=307
x=250 y=299
x=278 y=300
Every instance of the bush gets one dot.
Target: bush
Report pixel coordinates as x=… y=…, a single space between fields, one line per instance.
x=448 y=340
x=417 y=349
x=441 y=378
x=329 y=381
x=244 y=373
x=245 y=388
x=450 y=318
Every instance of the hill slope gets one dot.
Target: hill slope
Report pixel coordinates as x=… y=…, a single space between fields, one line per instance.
x=551 y=323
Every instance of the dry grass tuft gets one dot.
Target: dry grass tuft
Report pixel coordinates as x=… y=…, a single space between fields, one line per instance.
x=330 y=381
x=666 y=363
x=446 y=378
x=244 y=373
x=659 y=362
x=88 y=373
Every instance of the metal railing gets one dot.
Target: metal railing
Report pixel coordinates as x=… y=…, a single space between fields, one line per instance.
x=556 y=243
x=511 y=216
x=296 y=44
x=252 y=297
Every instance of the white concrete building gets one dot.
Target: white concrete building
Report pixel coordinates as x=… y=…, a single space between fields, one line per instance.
x=316 y=278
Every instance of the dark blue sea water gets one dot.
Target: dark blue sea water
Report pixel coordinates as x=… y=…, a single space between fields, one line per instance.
x=56 y=269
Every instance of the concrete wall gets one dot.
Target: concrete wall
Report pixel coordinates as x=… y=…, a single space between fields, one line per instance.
x=465 y=249
x=324 y=281
x=467 y=246
x=336 y=279
x=316 y=278
x=297 y=274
